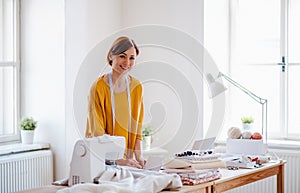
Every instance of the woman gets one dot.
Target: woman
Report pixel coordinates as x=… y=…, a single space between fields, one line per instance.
x=110 y=99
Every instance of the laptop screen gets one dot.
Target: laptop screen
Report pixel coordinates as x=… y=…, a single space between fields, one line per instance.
x=204 y=144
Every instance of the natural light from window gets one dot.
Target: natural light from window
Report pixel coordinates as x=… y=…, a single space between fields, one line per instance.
x=8 y=69
x=248 y=44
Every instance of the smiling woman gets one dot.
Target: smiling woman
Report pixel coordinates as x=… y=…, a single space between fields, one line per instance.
x=116 y=103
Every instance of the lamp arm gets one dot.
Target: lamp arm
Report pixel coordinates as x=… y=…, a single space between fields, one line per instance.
x=246 y=91
x=258 y=99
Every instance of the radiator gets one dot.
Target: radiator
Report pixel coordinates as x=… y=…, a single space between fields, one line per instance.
x=268 y=185
x=23 y=171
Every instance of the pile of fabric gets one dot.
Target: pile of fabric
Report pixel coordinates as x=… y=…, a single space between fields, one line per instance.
x=200 y=176
x=128 y=180
x=194 y=173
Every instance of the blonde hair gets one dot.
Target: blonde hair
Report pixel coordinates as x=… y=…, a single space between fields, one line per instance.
x=119 y=46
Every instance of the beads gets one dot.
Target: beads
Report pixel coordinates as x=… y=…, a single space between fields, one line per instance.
x=191 y=153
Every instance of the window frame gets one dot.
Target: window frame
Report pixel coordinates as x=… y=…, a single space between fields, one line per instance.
x=15 y=63
x=284 y=35
x=284 y=132
x=287 y=14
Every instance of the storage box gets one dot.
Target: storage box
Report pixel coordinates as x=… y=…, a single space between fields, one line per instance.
x=245 y=147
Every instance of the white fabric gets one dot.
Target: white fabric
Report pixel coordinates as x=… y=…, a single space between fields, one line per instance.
x=125 y=180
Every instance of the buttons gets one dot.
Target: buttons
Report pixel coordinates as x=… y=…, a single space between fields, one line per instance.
x=232 y=167
x=195 y=153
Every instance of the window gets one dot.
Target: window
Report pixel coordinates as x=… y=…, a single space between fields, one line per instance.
x=260 y=34
x=293 y=59
x=9 y=65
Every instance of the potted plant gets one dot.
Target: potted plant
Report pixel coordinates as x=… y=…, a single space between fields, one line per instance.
x=146 y=134
x=27 y=126
x=247 y=123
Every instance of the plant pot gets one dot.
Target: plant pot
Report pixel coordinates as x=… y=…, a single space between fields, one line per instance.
x=146 y=142
x=27 y=136
x=247 y=126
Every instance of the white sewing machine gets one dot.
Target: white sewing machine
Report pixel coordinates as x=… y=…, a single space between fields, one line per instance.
x=89 y=156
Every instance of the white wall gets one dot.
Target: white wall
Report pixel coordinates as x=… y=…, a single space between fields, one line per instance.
x=87 y=24
x=43 y=73
x=187 y=17
x=171 y=108
x=57 y=36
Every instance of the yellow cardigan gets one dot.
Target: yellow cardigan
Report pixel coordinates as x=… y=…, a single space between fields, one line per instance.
x=99 y=120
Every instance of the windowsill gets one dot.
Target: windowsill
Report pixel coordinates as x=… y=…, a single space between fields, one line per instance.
x=273 y=144
x=19 y=148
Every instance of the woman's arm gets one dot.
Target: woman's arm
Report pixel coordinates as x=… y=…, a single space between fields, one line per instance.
x=138 y=162
x=138 y=153
x=138 y=142
x=95 y=119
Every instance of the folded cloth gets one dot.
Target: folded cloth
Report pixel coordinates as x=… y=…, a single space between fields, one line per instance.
x=196 y=181
x=181 y=164
x=128 y=181
x=194 y=177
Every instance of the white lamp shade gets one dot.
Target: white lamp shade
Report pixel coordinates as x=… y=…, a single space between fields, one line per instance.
x=216 y=88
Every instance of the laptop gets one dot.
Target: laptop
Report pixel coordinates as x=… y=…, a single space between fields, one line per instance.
x=204 y=144
x=154 y=163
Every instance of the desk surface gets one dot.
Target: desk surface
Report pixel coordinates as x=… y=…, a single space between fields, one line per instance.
x=232 y=174
x=230 y=179
x=235 y=178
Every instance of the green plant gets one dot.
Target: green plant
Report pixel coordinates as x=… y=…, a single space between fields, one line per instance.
x=28 y=124
x=247 y=120
x=147 y=131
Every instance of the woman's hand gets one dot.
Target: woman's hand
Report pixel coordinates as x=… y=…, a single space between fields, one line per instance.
x=142 y=162
x=129 y=162
x=137 y=153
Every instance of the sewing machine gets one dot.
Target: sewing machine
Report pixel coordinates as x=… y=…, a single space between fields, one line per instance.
x=89 y=156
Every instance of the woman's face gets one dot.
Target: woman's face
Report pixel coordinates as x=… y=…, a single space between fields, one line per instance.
x=125 y=61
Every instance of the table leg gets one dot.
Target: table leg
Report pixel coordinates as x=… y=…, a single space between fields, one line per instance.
x=280 y=179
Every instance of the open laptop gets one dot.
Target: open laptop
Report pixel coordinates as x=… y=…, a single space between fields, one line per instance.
x=204 y=144
x=154 y=163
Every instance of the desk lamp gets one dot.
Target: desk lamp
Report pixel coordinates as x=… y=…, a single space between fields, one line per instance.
x=216 y=88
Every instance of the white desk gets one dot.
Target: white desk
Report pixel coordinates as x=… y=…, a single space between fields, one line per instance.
x=229 y=180
x=237 y=178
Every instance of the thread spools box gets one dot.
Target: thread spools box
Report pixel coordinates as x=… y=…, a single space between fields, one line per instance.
x=246 y=147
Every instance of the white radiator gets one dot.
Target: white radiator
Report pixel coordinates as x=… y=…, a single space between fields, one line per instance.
x=23 y=171
x=268 y=185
